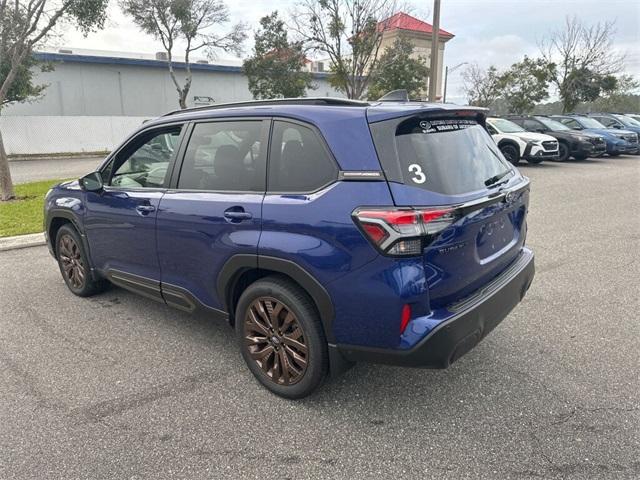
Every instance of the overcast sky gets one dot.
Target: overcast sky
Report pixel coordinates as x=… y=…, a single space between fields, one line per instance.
x=490 y=32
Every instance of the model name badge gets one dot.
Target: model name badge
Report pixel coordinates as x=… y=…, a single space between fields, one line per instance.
x=452 y=248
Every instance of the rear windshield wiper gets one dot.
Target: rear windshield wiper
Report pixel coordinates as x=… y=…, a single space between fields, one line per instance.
x=493 y=181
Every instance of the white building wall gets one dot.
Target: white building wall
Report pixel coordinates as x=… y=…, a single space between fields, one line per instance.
x=97 y=89
x=89 y=107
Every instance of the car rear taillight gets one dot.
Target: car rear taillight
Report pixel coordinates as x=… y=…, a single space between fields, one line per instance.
x=403 y=231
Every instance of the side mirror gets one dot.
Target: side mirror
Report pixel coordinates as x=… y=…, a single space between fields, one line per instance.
x=92 y=182
x=541 y=130
x=617 y=125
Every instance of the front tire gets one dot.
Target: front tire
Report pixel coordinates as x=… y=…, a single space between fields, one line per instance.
x=281 y=337
x=511 y=153
x=563 y=152
x=581 y=157
x=74 y=264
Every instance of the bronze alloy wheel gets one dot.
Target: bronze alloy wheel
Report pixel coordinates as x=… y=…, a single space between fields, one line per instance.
x=71 y=261
x=275 y=341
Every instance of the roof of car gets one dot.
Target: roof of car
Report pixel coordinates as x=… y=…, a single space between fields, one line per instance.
x=310 y=109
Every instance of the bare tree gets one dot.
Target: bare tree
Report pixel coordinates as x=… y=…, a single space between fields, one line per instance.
x=349 y=32
x=23 y=26
x=481 y=86
x=192 y=22
x=584 y=56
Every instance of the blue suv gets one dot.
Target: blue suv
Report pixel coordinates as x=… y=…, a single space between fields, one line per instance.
x=326 y=231
x=618 y=141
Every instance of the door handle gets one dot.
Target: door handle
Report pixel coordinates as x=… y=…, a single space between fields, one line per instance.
x=145 y=209
x=234 y=214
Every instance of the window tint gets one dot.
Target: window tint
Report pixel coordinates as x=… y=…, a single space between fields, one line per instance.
x=532 y=125
x=146 y=162
x=444 y=155
x=224 y=156
x=607 y=122
x=571 y=123
x=298 y=160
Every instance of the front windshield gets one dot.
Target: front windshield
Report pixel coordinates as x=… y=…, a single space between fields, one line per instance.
x=628 y=121
x=588 y=122
x=505 y=126
x=552 y=124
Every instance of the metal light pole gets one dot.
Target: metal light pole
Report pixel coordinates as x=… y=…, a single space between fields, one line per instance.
x=435 y=50
x=446 y=77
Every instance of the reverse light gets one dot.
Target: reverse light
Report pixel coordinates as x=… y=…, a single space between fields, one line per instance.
x=403 y=231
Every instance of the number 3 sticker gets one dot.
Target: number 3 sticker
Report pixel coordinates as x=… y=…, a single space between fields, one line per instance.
x=416 y=169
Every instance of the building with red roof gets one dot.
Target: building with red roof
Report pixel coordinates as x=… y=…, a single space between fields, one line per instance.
x=420 y=33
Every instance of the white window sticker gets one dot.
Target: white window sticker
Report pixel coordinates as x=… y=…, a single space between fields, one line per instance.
x=419 y=177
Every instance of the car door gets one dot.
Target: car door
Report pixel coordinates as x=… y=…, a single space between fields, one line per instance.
x=120 y=220
x=213 y=209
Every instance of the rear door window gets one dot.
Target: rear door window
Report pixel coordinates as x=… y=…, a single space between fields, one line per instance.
x=298 y=161
x=446 y=155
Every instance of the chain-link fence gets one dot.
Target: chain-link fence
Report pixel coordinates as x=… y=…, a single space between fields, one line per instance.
x=41 y=135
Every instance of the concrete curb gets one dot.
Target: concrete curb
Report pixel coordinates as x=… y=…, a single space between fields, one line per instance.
x=21 y=241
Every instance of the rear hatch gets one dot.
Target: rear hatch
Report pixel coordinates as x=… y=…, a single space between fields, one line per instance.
x=445 y=160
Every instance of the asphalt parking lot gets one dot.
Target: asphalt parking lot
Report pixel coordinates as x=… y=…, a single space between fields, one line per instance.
x=33 y=170
x=118 y=386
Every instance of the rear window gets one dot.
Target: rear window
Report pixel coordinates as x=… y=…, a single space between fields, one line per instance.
x=444 y=155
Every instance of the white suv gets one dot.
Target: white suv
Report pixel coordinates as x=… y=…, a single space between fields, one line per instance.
x=515 y=142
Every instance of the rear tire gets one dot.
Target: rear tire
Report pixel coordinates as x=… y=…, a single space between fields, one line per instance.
x=563 y=152
x=511 y=153
x=74 y=264
x=281 y=337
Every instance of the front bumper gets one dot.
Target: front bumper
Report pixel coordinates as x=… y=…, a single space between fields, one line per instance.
x=585 y=149
x=532 y=152
x=471 y=320
x=599 y=149
x=623 y=148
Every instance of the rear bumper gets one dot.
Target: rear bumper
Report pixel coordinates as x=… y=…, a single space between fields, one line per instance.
x=471 y=320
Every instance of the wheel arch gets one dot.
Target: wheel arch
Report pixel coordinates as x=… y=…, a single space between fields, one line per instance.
x=509 y=141
x=242 y=270
x=55 y=220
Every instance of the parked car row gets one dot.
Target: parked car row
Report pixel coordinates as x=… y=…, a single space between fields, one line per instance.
x=535 y=138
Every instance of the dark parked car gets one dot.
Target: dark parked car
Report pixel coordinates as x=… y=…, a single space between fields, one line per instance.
x=327 y=231
x=574 y=144
x=617 y=141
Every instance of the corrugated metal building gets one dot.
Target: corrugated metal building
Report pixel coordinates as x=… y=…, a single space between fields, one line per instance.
x=93 y=99
x=106 y=84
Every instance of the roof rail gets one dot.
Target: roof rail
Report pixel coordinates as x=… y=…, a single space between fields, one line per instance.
x=343 y=102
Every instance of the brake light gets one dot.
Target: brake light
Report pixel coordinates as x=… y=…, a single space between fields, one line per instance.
x=403 y=231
